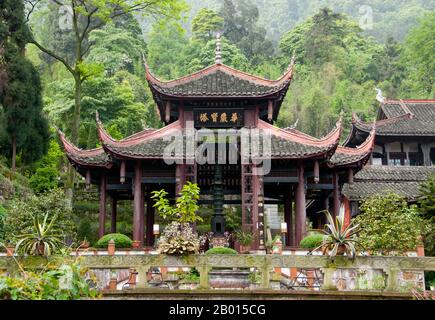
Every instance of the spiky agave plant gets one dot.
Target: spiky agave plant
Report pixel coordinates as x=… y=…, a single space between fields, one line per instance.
x=42 y=240
x=338 y=238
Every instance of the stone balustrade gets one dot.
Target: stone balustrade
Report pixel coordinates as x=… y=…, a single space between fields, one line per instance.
x=387 y=274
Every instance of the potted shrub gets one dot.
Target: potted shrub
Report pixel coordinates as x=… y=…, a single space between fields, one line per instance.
x=178 y=237
x=339 y=239
x=245 y=239
x=85 y=244
x=135 y=244
x=42 y=239
x=10 y=248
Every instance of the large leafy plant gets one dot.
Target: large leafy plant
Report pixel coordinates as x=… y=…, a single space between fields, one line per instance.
x=43 y=240
x=339 y=239
x=186 y=205
x=388 y=224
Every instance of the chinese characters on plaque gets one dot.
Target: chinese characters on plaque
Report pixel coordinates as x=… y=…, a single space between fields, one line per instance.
x=216 y=118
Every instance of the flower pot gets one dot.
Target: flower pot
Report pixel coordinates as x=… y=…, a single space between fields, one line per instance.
x=10 y=251
x=245 y=248
x=84 y=245
x=113 y=284
x=111 y=248
x=41 y=249
x=341 y=250
x=420 y=251
x=135 y=244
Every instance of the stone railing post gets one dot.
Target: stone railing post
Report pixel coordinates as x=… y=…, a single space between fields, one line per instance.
x=203 y=276
x=328 y=282
x=142 y=281
x=393 y=279
x=265 y=274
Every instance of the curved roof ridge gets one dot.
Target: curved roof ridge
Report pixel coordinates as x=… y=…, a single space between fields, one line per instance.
x=71 y=148
x=331 y=138
x=224 y=68
x=365 y=147
x=106 y=139
x=395 y=101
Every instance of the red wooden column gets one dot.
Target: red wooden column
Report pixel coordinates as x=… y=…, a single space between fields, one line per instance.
x=300 y=206
x=149 y=238
x=336 y=195
x=114 y=212
x=138 y=205
x=103 y=197
x=288 y=216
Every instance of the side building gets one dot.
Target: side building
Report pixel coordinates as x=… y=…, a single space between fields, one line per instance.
x=404 y=152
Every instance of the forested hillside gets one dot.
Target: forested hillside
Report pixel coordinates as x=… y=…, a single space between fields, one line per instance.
x=391 y=18
x=72 y=69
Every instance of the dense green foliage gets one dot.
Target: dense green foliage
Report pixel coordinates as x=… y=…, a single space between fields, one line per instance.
x=220 y=250
x=312 y=241
x=21 y=212
x=427 y=212
x=388 y=224
x=121 y=241
x=25 y=128
x=65 y=282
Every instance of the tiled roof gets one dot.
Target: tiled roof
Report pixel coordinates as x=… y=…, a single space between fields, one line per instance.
x=285 y=144
x=379 y=179
x=220 y=81
x=403 y=117
x=86 y=158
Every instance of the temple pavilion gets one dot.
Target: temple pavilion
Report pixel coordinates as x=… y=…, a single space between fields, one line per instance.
x=306 y=173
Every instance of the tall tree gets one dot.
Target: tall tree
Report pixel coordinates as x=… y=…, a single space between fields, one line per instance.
x=83 y=17
x=206 y=23
x=241 y=28
x=20 y=91
x=419 y=58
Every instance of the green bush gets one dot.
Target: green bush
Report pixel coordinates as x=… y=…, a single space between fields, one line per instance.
x=221 y=251
x=121 y=240
x=203 y=228
x=312 y=241
x=44 y=179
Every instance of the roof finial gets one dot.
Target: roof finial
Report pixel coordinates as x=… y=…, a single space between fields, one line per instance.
x=379 y=96
x=218 y=53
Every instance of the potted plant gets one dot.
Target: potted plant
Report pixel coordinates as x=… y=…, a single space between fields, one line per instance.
x=245 y=239
x=10 y=248
x=340 y=239
x=135 y=244
x=178 y=237
x=42 y=239
x=85 y=244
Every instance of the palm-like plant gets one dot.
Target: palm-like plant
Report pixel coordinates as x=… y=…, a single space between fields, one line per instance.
x=42 y=240
x=339 y=239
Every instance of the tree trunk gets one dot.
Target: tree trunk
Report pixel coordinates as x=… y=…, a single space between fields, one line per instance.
x=74 y=133
x=14 y=153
